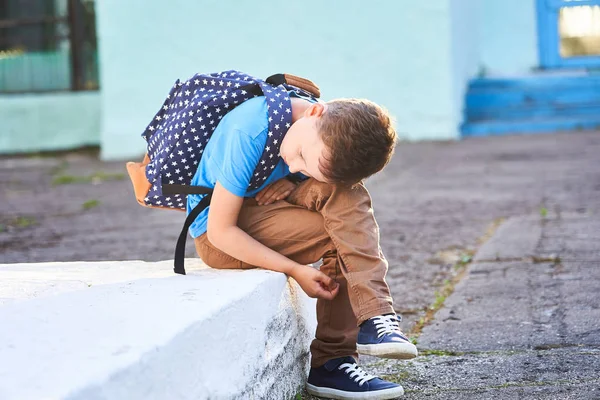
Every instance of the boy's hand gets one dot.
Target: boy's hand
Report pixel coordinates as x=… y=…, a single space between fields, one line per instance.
x=277 y=190
x=315 y=283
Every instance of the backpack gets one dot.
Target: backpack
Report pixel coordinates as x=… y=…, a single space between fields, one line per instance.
x=182 y=127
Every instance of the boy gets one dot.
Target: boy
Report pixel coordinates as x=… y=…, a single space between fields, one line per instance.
x=283 y=226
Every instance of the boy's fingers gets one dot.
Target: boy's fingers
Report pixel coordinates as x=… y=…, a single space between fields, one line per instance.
x=330 y=284
x=334 y=286
x=327 y=281
x=277 y=195
x=275 y=191
x=271 y=198
x=284 y=195
x=282 y=185
x=264 y=194
x=327 y=294
x=335 y=291
x=324 y=294
x=260 y=194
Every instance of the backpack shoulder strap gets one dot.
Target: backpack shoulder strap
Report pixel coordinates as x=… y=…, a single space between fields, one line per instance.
x=296 y=81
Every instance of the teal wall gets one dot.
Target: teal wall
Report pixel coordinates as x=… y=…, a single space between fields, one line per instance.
x=465 y=49
x=508 y=37
x=54 y=121
x=414 y=58
x=395 y=53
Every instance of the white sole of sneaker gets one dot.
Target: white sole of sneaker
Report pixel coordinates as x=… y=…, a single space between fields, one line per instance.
x=384 y=394
x=403 y=351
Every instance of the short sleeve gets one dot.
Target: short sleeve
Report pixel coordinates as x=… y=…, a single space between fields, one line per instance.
x=239 y=153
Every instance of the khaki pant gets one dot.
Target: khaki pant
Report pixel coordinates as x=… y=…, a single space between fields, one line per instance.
x=319 y=221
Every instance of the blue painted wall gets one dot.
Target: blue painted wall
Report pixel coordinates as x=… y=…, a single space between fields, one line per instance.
x=53 y=121
x=509 y=36
x=395 y=53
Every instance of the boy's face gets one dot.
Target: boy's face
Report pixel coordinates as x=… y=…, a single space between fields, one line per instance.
x=302 y=148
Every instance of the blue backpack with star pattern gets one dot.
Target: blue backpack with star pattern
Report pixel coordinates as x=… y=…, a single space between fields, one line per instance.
x=180 y=130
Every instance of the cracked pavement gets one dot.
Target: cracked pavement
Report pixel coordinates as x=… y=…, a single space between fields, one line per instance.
x=523 y=327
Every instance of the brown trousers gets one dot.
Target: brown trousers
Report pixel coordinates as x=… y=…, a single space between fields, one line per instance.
x=321 y=221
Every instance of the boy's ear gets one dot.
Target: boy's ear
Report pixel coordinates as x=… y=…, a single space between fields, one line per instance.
x=315 y=110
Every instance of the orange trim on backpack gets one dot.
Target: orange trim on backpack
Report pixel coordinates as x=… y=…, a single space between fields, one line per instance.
x=141 y=186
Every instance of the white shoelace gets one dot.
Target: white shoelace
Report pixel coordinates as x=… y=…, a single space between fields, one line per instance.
x=357 y=373
x=386 y=324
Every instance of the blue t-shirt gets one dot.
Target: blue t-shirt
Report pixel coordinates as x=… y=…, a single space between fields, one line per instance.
x=232 y=154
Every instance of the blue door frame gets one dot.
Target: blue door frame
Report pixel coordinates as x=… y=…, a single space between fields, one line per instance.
x=548 y=35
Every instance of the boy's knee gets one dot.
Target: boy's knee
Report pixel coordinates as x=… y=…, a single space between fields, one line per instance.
x=357 y=194
x=326 y=190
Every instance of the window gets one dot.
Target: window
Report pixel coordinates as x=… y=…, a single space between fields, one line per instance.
x=47 y=45
x=569 y=33
x=579 y=31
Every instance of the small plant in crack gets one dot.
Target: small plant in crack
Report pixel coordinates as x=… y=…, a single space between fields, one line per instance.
x=90 y=204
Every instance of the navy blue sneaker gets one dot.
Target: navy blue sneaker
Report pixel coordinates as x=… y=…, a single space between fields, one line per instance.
x=381 y=337
x=341 y=378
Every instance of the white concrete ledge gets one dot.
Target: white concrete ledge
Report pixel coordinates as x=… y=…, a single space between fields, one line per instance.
x=134 y=330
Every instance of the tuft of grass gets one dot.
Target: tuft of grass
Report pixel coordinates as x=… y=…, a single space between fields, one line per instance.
x=24 y=222
x=67 y=179
x=439 y=300
x=90 y=204
x=543 y=212
x=466 y=258
x=441 y=353
x=19 y=222
x=398 y=377
x=97 y=177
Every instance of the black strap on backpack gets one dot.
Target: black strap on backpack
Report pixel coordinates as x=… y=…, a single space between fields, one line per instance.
x=180 y=248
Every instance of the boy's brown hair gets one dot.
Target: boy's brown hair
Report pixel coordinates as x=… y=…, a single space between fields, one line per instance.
x=359 y=137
